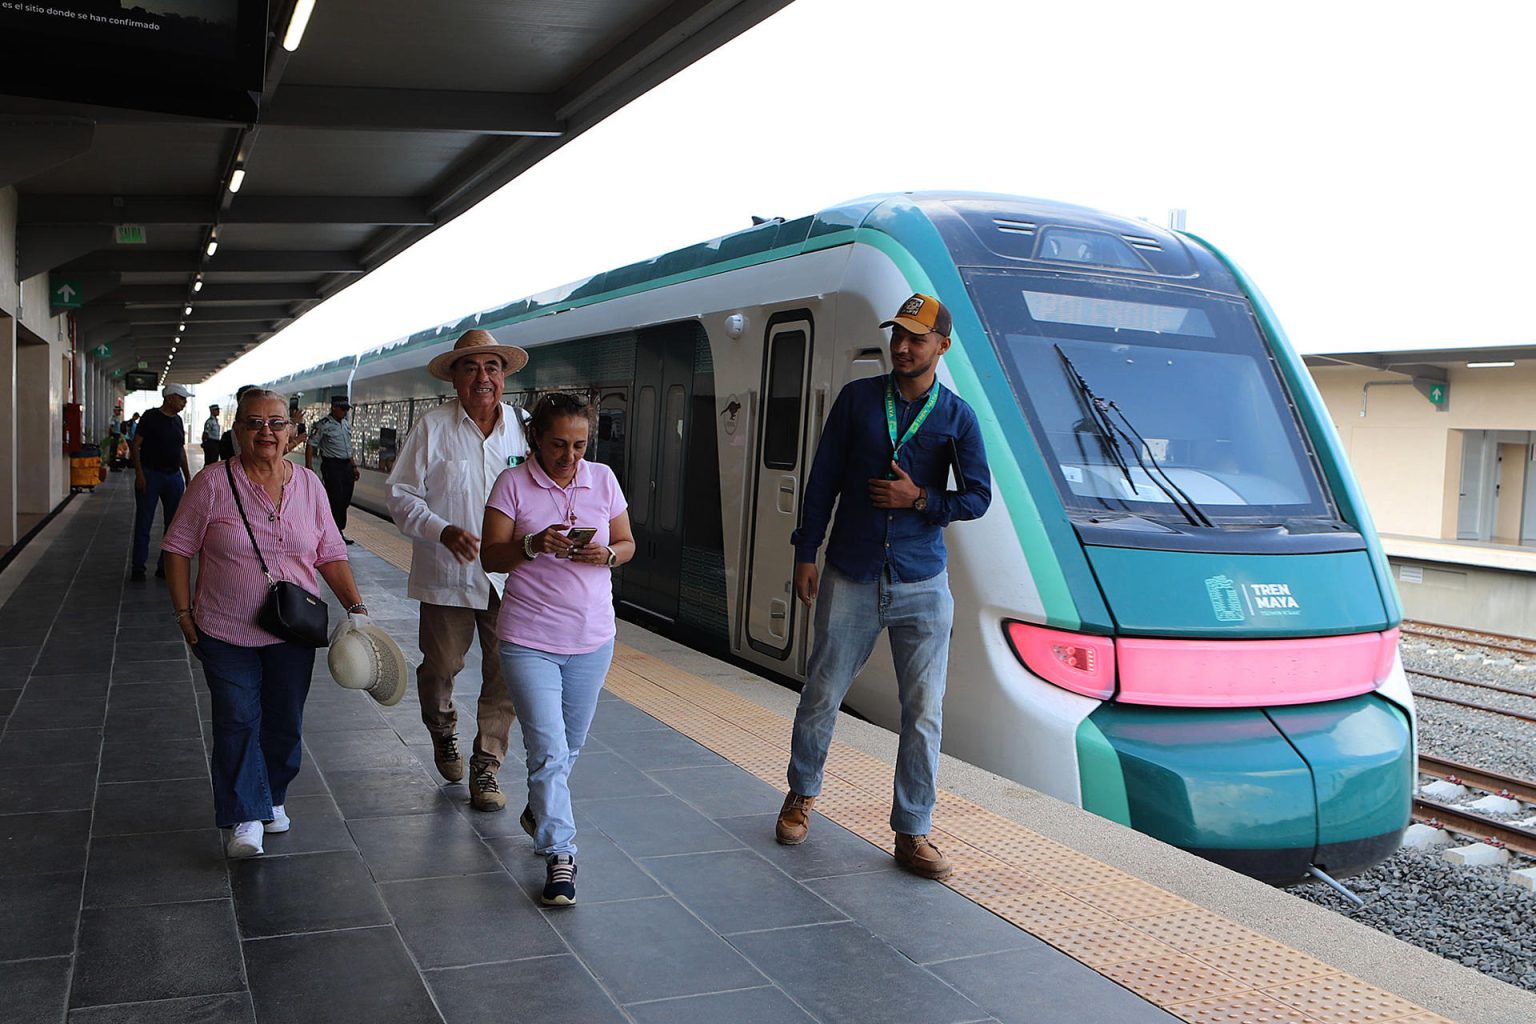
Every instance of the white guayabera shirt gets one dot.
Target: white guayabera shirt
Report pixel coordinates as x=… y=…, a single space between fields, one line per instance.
x=441 y=478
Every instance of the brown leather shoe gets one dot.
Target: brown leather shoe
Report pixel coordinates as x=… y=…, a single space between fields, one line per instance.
x=484 y=792
x=921 y=857
x=794 y=819
x=445 y=754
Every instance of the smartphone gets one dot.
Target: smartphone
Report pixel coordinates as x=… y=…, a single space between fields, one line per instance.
x=581 y=535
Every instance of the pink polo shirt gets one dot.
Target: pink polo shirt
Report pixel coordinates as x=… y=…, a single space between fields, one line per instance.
x=230 y=587
x=554 y=604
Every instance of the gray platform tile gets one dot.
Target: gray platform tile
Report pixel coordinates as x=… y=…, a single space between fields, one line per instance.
x=137 y=954
x=605 y=872
x=1033 y=985
x=169 y=805
x=162 y=867
x=171 y=671
x=889 y=901
x=501 y=993
x=75 y=713
x=739 y=891
x=651 y=949
x=659 y=749
x=130 y=651
x=829 y=850
x=310 y=893
x=327 y=716
x=8 y=696
x=50 y=747
x=472 y=919
x=361 y=976
x=152 y=725
x=137 y=696
x=317 y=826
x=600 y=775
x=357 y=749
x=229 y=1008
x=615 y=716
x=71 y=660
x=653 y=826
x=421 y=846
x=36 y=991
x=747 y=1006
x=309 y=781
x=134 y=760
x=383 y=792
x=844 y=975
x=718 y=791
x=67 y=686
x=42 y=842
x=491 y=824
x=69 y=787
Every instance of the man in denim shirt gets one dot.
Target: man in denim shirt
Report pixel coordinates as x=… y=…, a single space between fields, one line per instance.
x=885 y=455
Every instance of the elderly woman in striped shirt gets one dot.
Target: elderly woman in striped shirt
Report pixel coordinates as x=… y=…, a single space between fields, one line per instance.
x=258 y=680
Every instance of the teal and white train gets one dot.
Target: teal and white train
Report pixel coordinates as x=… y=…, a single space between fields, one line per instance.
x=1175 y=614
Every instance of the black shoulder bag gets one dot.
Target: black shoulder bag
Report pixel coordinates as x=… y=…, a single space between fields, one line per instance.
x=289 y=611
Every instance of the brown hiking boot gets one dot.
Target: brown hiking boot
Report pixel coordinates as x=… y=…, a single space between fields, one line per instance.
x=794 y=819
x=445 y=754
x=921 y=857
x=484 y=792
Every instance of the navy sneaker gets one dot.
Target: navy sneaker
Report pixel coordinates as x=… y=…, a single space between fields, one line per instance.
x=560 y=881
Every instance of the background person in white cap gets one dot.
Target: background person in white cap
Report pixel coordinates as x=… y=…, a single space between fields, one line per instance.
x=160 y=471
x=436 y=494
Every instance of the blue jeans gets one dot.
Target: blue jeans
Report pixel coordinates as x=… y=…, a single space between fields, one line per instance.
x=258 y=714
x=165 y=490
x=555 y=696
x=849 y=618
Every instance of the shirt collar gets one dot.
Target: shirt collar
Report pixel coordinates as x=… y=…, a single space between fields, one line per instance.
x=583 y=475
x=502 y=416
x=896 y=391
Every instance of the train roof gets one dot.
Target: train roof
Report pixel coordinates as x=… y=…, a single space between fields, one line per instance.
x=979 y=229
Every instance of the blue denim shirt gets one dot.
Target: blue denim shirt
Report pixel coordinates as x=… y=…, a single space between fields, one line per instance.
x=855 y=448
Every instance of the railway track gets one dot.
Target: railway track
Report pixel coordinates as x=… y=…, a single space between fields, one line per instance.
x=1470 y=637
x=1516 y=838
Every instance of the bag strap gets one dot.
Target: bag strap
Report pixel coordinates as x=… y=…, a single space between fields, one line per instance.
x=229 y=471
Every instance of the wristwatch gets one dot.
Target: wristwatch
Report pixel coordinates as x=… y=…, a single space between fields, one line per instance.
x=528 y=546
x=613 y=559
x=920 y=503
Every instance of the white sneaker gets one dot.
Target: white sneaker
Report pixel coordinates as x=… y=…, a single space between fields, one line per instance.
x=279 y=822
x=244 y=841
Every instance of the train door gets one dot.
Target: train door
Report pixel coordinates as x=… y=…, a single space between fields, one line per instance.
x=663 y=380
x=780 y=471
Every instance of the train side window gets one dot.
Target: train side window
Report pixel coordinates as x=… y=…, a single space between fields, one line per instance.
x=645 y=446
x=781 y=422
x=612 y=432
x=671 y=458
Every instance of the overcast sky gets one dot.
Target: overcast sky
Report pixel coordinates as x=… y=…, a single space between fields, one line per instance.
x=1366 y=162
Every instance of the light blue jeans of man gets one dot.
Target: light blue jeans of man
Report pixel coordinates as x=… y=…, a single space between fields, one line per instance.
x=555 y=696
x=849 y=618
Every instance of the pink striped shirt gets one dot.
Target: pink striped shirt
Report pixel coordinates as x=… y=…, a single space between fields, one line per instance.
x=230 y=587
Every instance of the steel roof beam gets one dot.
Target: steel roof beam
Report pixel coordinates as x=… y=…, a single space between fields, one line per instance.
x=213 y=294
x=191 y=210
x=280 y=261
x=207 y=315
x=412 y=110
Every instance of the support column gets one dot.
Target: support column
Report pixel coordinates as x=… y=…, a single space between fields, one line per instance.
x=8 y=451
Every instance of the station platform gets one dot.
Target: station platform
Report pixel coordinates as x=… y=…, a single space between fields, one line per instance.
x=1467 y=584
x=392 y=901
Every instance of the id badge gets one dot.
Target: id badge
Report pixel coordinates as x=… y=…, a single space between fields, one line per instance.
x=516 y=460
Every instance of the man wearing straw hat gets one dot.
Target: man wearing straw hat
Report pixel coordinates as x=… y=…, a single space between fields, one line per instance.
x=436 y=494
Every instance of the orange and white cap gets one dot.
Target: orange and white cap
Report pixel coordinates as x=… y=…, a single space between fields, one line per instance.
x=921 y=314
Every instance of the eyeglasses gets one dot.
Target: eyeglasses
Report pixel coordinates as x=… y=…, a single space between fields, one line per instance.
x=276 y=424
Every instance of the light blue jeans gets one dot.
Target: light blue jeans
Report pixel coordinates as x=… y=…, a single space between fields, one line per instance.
x=849 y=618
x=555 y=696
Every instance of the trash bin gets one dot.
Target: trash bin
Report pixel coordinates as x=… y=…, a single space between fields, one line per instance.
x=84 y=468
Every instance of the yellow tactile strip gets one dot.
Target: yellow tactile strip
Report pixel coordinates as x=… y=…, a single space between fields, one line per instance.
x=1197 y=965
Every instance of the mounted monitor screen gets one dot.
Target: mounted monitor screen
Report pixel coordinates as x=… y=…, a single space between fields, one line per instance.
x=140 y=380
x=202 y=58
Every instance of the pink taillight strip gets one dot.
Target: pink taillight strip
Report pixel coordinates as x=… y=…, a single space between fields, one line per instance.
x=1252 y=673
x=1047 y=652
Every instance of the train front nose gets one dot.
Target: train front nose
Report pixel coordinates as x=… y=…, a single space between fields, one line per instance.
x=1264 y=791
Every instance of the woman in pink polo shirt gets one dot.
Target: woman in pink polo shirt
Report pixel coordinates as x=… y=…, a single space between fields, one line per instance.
x=556 y=623
x=258 y=681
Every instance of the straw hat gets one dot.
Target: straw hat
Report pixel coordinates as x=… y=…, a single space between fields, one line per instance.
x=474 y=343
x=367 y=659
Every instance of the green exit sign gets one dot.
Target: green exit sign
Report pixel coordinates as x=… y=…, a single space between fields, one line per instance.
x=130 y=234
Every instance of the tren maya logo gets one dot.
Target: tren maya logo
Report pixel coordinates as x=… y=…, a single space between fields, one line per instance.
x=1232 y=602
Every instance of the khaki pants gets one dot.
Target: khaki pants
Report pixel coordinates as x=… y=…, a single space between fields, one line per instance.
x=446 y=634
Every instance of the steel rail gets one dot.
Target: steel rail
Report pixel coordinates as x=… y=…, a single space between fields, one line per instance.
x=1512 y=691
x=1494 y=641
x=1474 y=706
x=1474 y=826
x=1493 y=782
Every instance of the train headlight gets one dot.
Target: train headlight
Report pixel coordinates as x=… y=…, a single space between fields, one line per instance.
x=1073 y=661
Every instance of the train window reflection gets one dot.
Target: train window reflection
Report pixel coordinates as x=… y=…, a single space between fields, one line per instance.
x=671 y=459
x=781 y=420
x=1195 y=396
x=645 y=446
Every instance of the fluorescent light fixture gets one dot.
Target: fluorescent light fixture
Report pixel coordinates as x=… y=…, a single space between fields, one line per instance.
x=1491 y=366
x=181 y=327
x=213 y=246
x=296 y=24
x=237 y=179
x=187 y=311
x=197 y=285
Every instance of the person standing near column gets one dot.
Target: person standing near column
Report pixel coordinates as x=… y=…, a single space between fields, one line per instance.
x=332 y=438
x=884 y=457
x=213 y=430
x=160 y=471
x=436 y=494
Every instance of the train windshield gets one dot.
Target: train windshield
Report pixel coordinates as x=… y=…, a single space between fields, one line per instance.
x=1158 y=403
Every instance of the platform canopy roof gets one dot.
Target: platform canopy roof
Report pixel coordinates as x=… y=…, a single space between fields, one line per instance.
x=391 y=118
x=1429 y=363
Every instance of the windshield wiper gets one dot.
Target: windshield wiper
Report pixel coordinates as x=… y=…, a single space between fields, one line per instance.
x=1114 y=434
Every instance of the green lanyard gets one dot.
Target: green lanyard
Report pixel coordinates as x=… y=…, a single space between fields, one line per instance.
x=890 y=415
